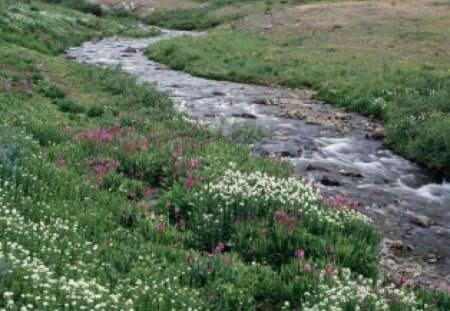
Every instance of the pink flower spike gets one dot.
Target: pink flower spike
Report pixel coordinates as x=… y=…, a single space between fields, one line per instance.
x=299 y=253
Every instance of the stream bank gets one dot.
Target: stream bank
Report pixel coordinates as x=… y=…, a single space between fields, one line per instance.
x=335 y=148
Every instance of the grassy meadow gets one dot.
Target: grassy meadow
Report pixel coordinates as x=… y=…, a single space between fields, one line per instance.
x=112 y=200
x=388 y=59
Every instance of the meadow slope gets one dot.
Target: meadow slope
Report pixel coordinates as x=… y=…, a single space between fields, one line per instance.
x=112 y=200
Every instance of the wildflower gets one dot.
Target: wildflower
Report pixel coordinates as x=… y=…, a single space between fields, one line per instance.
x=181 y=226
x=400 y=282
x=161 y=227
x=329 y=270
x=189 y=181
x=299 y=253
x=177 y=153
x=218 y=249
x=61 y=160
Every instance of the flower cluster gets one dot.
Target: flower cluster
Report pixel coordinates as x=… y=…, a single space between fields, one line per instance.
x=342 y=292
x=290 y=194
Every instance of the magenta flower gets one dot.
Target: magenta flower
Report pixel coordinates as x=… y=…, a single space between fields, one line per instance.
x=299 y=253
x=161 y=227
x=400 y=281
x=61 y=160
x=8 y=85
x=181 y=226
x=329 y=270
x=189 y=181
x=218 y=249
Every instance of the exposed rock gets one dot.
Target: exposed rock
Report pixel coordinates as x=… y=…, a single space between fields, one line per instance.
x=378 y=133
x=287 y=153
x=326 y=181
x=162 y=67
x=440 y=231
x=264 y=101
x=130 y=50
x=294 y=114
x=420 y=220
x=432 y=258
x=341 y=116
x=218 y=93
x=281 y=138
x=244 y=115
x=350 y=173
x=311 y=167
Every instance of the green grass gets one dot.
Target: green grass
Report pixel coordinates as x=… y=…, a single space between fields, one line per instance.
x=50 y=28
x=212 y=13
x=111 y=200
x=410 y=98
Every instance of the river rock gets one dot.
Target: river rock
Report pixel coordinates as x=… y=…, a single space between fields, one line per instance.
x=264 y=101
x=218 y=93
x=341 y=116
x=420 y=220
x=378 y=133
x=244 y=115
x=311 y=167
x=130 y=50
x=350 y=173
x=326 y=181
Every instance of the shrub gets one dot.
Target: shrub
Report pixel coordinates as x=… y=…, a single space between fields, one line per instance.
x=66 y=105
x=95 y=111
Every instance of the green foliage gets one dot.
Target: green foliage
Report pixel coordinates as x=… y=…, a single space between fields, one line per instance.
x=85 y=6
x=65 y=105
x=247 y=133
x=95 y=111
x=145 y=209
x=51 y=28
x=185 y=19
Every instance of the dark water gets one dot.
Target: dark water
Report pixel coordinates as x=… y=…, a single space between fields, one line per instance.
x=391 y=189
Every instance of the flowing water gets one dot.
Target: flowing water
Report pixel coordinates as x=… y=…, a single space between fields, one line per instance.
x=395 y=192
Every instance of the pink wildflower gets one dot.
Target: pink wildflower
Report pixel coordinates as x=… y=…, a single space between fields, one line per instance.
x=161 y=227
x=299 y=253
x=329 y=270
x=400 y=281
x=61 y=160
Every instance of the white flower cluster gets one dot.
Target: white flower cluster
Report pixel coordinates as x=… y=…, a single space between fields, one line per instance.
x=57 y=268
x=335 y=292
x=292 y=194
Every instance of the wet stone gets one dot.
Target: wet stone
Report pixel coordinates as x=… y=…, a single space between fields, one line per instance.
x=218 y=93
x=326 y=181
x=312 y=167
x=350 y=174
x=130 y=50
x=420 y=220
x=244 y=115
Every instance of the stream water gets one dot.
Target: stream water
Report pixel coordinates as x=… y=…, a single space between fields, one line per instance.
x=407 y=202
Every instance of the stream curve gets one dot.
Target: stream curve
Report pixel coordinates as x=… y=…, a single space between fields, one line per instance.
x=406 y=202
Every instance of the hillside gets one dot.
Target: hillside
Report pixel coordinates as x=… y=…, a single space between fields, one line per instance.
x=111 y=199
